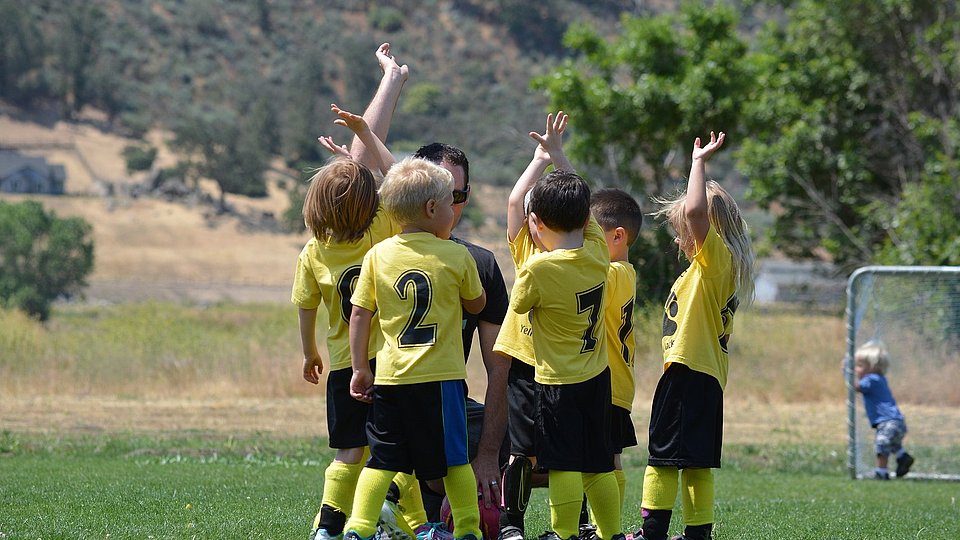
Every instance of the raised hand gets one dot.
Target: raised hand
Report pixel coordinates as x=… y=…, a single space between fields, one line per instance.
x=705 y=152
x=327 y=142
x=550 y=145
x=347 y=119
x=388 y=64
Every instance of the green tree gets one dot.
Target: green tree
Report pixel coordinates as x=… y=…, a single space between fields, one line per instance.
x=636 y=103
x=226 y=147
x=852 y=130
x=42 y=257
x=22 y=50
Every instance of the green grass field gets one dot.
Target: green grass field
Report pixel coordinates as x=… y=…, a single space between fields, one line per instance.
x=198 y=486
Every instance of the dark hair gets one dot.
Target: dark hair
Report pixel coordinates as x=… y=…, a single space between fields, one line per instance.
x=614 y=208
x=440 y=152
x=561 y=200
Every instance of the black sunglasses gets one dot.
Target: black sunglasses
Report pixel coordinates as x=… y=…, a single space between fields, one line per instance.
x=460 y=195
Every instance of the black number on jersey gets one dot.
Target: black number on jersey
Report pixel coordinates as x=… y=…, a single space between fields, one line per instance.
x=345 y=287
x=626 y=326
x=590 y=301
x=414 y=334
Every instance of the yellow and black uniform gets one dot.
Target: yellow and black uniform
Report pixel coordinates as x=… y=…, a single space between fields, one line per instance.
x=326 y=275
x=621 y=345
x=686 y=419
x=416 y=281
x=698 y=314
x=564 y=290
x=516 y=341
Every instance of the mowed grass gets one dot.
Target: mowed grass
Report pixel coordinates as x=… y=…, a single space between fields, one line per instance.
x=194 y=486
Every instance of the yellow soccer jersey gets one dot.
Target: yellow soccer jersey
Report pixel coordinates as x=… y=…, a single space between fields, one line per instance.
x=416 y=281
x=698 y=314
x=564 y=288
x=516 y=333
x=327 y=273
x=618 y=317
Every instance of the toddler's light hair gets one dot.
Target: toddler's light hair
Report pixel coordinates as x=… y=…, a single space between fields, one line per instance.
x=408 y=186
x=724 y=215
x=873 y=354
x=341 y=201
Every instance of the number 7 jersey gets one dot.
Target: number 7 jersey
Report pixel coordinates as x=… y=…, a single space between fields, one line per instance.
x=564 y=292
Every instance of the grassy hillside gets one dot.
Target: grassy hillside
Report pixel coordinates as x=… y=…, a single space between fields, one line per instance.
x=274 y=66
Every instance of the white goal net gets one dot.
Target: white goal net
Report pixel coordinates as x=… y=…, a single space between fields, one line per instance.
x=915 y=312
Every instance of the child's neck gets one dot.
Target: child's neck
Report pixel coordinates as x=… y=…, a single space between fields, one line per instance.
x=561 y=240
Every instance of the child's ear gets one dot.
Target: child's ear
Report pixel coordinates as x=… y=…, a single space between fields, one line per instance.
x=619 y=235
x=430 y=208
x=536 y=221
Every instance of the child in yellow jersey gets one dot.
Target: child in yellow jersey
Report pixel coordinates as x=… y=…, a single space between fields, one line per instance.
x=620 y=217
x=342 y=210
x=686 y=422
x=416 y=283
x=563 y=290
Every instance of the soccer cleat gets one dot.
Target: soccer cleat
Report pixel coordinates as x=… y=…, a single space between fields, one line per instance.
x=510 y=533
x=589 y=532
x=551 y=535
x=322 y=534
x=881 y=476
x=391 y=525
x=433 y=531
x=638 y=535
x=904 y=463
x=352 y=535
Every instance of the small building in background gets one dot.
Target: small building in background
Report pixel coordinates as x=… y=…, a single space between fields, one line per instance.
x=26 y=174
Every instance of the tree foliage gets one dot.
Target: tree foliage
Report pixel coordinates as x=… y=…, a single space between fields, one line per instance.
x=42 y=257
x=853 y=130
x=637 y=102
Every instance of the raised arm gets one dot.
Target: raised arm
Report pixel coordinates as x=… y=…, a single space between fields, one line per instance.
x=379 y=113
x=380 y=157
x=549 y=150
x=695 y=202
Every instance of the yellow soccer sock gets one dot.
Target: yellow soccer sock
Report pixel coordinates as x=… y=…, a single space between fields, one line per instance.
x=372 y=489
x=604 y=498
x=461 y=487
x=339 y=485
x=697 y=496
x=411 y=500
x=566 y=498
x=660 y=485
x=622 y=484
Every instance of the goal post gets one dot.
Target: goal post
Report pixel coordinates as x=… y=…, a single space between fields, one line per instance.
x=915 y=312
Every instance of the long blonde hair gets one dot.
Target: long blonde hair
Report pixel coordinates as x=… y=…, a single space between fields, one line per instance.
x=724 y=215
x=341 y=201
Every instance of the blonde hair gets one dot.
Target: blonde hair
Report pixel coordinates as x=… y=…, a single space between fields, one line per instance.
x=341 y=201
x=724 y=215
x=409 y=184
x=874 y=355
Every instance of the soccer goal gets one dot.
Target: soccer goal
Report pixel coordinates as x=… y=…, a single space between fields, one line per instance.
x=915 y=312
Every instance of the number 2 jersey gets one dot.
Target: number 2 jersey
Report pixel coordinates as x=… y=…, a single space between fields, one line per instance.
x=564 y=291
x=415 y=281
x=326 y=273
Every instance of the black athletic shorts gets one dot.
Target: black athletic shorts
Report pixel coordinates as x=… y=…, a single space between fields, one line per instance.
x=522 y=393
x=622 y=433
x=573 y=426
x=418 y=428
x=346 y=417
x=686 y=421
